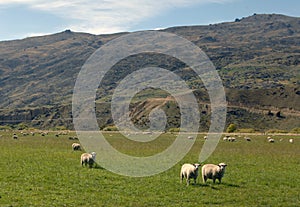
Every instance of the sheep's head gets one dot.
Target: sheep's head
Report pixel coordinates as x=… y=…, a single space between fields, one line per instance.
x=222 y=166
x=93 y=155
x=196 y=165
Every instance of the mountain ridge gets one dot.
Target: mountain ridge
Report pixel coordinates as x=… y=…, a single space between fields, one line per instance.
x=257 y=58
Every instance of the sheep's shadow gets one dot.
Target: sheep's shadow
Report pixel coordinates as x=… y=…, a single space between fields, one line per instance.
x=231 y=185
x=215 y=186
x=204 y=185
x=98 y=167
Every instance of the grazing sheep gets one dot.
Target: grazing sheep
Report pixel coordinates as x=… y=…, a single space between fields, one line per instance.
x=24 y=133
x=271 y=140
x=225 y=138
x=76 y=146
x=211 y=171
x=189 y=171
x=205 y=137
x=190 y=137
x=15 y=136
x=231 y=139
x=88 y=159
x=291 y=140
x=247 y=139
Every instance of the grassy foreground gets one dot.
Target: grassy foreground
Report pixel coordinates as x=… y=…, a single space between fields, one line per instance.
x=44 y=171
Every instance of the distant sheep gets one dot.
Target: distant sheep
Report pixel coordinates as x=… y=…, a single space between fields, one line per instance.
x=15 y=136
x=211 y=171
x=271 y=140
x=189 y=171
x=88 y=159
x=190 y=137
x=24 y=133
x=76 y=146
x=247 y=139
x=231 y=139
x=291 y=140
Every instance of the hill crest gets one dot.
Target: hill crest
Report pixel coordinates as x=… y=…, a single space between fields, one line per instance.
x=253 y=55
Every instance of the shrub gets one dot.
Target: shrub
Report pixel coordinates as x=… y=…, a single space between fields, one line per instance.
x=296 y=130
x=231 y=128
x=110 y=128
x=22 y=126
x=174 y=129
x=60 y=128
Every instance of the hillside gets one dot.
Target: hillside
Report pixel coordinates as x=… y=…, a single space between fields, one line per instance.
x=257 y=58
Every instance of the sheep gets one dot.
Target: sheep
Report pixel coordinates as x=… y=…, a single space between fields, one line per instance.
x=189 y=171
x=225 y=138
x=190 y=137
x=76 y=146
x=88 y=159
x=24 y=133
x=212 y=171
x=271 y=140
x=291 y=140
x=231 y=139
x=247 y=139
x=15 y=136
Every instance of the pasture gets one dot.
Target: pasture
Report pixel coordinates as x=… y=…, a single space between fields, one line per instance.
x=44 y=171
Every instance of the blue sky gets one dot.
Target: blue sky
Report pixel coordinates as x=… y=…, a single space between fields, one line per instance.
x=24 y=18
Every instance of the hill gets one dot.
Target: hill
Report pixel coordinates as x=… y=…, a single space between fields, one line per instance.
x=257 y=58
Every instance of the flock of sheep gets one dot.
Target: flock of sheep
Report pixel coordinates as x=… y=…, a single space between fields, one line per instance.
x=85 y=158
x=188 y=171
x=234 y=139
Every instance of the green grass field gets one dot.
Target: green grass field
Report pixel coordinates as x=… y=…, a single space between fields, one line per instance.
x=44 y=171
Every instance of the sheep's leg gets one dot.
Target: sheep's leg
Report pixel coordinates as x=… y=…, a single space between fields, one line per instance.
x=195 y=181
x=204 y=178
x=187 y=182
x=214 y=180
x=220 y=180
x=181 y=178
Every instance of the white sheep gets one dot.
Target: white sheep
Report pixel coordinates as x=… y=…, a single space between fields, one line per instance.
x=88 y=159
x=271 y=140
x=247 y=139
x=15 y=136
x=212 y=171
x=231 y=139
x=291 y=140
x=76 y=146
x=190 y=137
x=189 y=171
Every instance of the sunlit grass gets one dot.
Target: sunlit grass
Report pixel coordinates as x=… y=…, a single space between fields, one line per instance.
x=44 y=171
